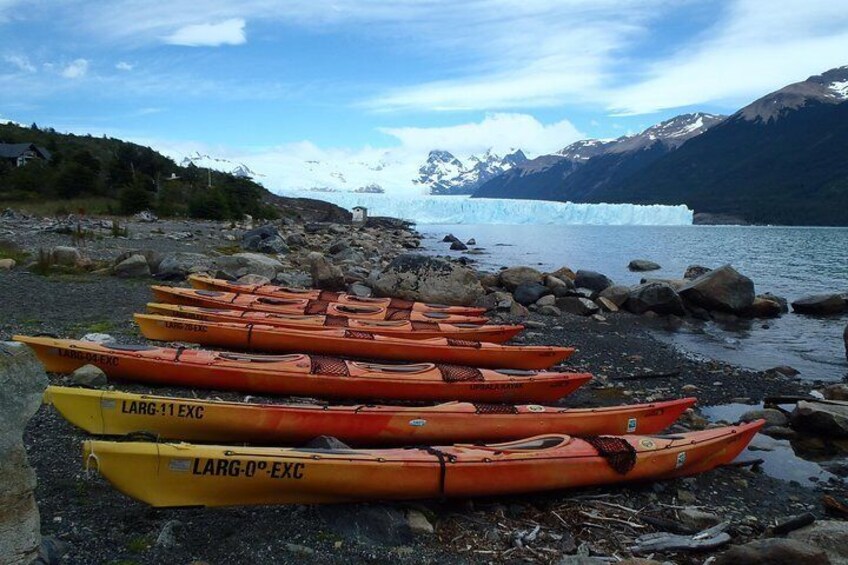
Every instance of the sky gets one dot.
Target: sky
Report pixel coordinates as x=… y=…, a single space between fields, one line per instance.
x=301 y=89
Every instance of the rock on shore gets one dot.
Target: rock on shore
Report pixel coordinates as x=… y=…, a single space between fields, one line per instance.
x=723 y=289
x=428 y=279
x=22 y=382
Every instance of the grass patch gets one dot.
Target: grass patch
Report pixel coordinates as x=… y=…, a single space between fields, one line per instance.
x=231 y=249
x=138 y=544
x=96 y=205
x=9 y=250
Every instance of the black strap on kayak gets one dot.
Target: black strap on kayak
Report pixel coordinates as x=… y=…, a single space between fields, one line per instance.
x=443 y=459
x=618 y=452
x=249 y=333
x=180 y=350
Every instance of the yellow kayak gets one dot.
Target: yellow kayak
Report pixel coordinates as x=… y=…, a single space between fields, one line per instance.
x=121 y=413
x=182 y=474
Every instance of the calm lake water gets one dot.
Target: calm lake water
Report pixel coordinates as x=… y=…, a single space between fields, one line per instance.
x=788 y=261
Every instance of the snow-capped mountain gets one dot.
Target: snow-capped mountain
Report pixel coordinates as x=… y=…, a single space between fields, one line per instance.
x=584 y=167
x=443 y=173
x=217 y=164
x=830 y=87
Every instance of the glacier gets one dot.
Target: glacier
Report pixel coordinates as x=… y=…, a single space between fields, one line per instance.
x=464 y=210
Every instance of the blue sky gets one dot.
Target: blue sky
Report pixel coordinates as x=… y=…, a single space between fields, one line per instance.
x=274 y=83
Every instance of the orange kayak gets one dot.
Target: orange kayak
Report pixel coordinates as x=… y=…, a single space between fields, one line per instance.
x=304 y=375
x=343 y=342
x=394 y=328
x=102 y=412
x=183 y=474
x=207 y=283
x=302 y=306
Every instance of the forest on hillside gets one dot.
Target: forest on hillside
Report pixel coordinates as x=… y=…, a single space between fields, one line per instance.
x=133 y=176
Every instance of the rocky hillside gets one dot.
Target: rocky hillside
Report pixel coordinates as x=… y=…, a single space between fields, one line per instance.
x=587 y=167
x=779 y=160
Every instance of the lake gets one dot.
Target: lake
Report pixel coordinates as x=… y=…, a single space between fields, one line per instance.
x=788 y=261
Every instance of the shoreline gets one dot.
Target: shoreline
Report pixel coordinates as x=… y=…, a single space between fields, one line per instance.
x=630 y=365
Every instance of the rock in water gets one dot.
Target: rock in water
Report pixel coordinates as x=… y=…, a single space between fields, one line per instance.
x=528 y=293
x=829 y=418
x=695 y=271
x=722 y=289
x=773 y=551
x=655 y=297
x=640 y=265
x=134 y=266
x=819 y=305
x=22 y=382
x=513 y=277
x=428 y=279
x=458 y=246
x=829 y=535
x=595 y=282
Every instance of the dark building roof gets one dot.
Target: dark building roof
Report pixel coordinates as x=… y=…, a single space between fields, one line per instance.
x=15 y=150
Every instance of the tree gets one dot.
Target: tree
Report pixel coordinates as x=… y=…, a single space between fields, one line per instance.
x=135 y=197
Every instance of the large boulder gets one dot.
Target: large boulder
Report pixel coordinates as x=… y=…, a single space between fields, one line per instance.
x=428 y=279
x=829 y=418
x=722 y=289
x=764 y=308
x=578 y=306
x=617 y=294
x=513 y=277
x=133 y=267
x=325 y=275
x=641 y=265
x=659 y=298
x=595 y=282
x=528 y=293
x=820 y=305
x=242 y=264
x=773 y=551
x=829 y=535
x=694 y=271
x=67 y=256
x=559 y=287
x=264 y=239
x=22 y=383
x=179 y=264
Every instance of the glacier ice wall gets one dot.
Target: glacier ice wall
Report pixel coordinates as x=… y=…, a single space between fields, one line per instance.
x=464 y=210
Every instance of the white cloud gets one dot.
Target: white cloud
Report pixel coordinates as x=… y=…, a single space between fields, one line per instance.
x=124 y=66
x=21 y=62
x=227 y=32
x=304 y=165
x=76 y=69
x=500 y=132
x=756 y=48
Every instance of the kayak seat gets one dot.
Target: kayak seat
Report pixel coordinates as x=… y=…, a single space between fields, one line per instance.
x=321 y=365
x=326 y=442
x=131 y=347
x=517 y=372
x=256 y=358
x=617 y=451
x=278 y=301
x=416 y=368
x=459 y=373
x=210 y=293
